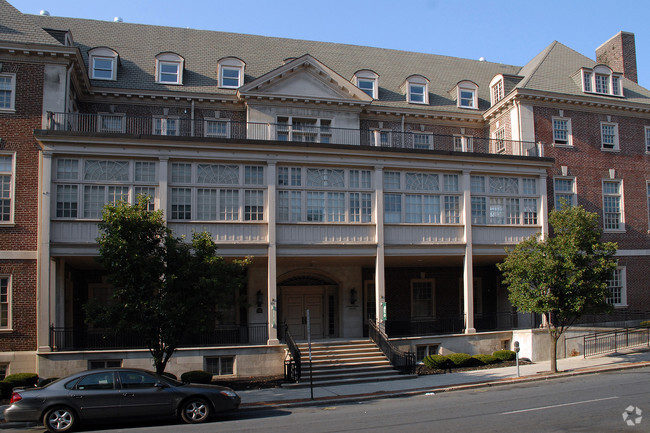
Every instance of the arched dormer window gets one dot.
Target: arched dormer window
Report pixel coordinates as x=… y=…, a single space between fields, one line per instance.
x=231 y=72
x=497 y=89
x=467 y=94
x=416 y=88
x=169 y=68
x=368 y=82
x=602 y=80
x=102 y=63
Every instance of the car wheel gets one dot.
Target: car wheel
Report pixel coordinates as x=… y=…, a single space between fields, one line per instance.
x=195 y=410
x=59 y=419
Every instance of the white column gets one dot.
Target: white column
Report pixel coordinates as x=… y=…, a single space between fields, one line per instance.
x=272 y=295
x=468 y=263
x=380 y=275
x=163 y=181
x=44 y=296
x=543 y=206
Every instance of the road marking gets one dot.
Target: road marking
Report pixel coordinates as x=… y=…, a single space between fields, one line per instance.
x=558 y=405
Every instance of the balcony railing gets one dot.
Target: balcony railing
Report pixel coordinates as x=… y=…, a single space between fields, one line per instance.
x=68 y=339
x=298 y=132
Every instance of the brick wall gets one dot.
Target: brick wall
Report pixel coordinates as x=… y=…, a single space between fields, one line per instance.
x=619 y=53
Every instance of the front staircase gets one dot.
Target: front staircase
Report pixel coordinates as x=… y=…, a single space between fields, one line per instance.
x=340 y=362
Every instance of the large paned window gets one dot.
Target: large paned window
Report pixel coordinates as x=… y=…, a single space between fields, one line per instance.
x=324 y=195
x=504 y=200
x=169 y=68
x=380 y=137
x=463 y=143
x=564 y=190
x=427 y=198
x=111 y=122
x=612 y=205
x=617 y=288
x=5 y=302
x=219 y=128
x=308 y=130
x=84 y=186
x=422 y=299
x=648 y=188
x=220 y=365
x=499 y=140
x=216 y=192
x=7 y=92
x=562 y=131
x=7 y=180
x=165 y=126
x=422 y=141
x=609 y=135
x=647 y=139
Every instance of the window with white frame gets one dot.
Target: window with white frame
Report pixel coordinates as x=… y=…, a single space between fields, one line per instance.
x=648 y=189
x=231 y=72
x=586 y=81
x=424 y=350
x=613 y=205
x=562 y=131
x=216 y=192
x=218 y=128
x=103 y=63
x=7 y=186
x=380 y=137
x=367 y=81
x=84 y=186
x=166 y=126
x=169 y=68
x=416 y=88
x=609 y=135
x=564 y=190
x=309 y=130
x=111 y=122
x=499 y=140
x=466 y=96
x=322 y=195
x=497 y=91
x=5 y=302
x=602 y=80
x=463 y=143
x=7 y=92
x=617 y=288
x=647 y=139
x=423 y=298
x=504 y=200
x=422 y=140
x=220 y=365
x=427 y=198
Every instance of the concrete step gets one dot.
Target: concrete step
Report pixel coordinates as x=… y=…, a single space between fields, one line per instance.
x=304 y=383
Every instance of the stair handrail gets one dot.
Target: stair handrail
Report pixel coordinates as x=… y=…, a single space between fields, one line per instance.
x=294 y=368
x=403 y=361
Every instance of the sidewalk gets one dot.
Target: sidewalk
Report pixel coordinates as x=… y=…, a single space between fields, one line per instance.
x=283 y=397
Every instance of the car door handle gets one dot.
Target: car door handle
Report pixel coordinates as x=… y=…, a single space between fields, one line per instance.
x=77 y=396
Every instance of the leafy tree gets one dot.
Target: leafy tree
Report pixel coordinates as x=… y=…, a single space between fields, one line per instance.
x=165 y=288
x=563 y=276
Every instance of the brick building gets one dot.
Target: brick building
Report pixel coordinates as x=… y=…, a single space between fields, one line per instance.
x=368 y=184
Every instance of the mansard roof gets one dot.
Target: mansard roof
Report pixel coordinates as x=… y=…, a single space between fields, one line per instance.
x=20 y=28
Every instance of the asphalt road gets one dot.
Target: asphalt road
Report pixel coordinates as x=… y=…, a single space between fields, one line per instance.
x=590 y=403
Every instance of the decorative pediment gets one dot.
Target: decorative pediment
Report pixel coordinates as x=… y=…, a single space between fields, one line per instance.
x=305 y=79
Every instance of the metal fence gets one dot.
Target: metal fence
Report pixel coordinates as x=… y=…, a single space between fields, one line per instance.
x=404 y=361
x=611 y=341
x=293 y=366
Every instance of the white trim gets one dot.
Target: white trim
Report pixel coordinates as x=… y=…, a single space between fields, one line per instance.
x=615 y=145
x=623 y=286
x=646 y=137
x=569 y=140
x=165 y=59
x=620 y=195
x=102 y=53
x=18 y=255
x=230 y=64
x=417 y=81
x=9 y=301
x=12 y=98
x=207 y=120
x=589 y=81
x=368 y=76
x=12 y=186
x=471 y=90
x=100 y=125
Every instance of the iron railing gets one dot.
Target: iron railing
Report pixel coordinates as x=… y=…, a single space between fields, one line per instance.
x=67 y=339
x=403 y=361
x=611 y=341
x=111 y=123
x=293 y=366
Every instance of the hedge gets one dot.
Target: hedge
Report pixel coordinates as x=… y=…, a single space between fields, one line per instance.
x=505 y=355
x=461 y=360
x=196 y=376
x=17 y=380
x=440 y=362
x=485 y=359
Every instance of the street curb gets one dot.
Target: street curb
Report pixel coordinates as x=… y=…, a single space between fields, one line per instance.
x=320 y=401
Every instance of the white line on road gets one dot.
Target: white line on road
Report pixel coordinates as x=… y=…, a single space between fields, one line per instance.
x=557 y=405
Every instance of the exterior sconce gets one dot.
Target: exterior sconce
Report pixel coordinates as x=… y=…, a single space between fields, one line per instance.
x=353 y=296
x=259 y=299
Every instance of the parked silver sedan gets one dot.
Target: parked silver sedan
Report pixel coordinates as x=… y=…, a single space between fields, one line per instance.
x=117 y=394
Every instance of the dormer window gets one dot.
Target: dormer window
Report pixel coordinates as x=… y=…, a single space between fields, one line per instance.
x=497 y=91
x=367 y=81
x=231 y=73
x=169 y=68
x=416 y=88
x=466 y=94
x=602 y=80
x=102 y=64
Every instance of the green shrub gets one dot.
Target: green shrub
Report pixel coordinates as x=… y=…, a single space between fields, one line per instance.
x=18 y=380
x=461 y=360
x=485 y=359
x=440 y=362
x=196 y=376
x=505 y=355
x=645 y=324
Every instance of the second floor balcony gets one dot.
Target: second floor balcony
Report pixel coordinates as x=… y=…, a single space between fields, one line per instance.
x=303 y=131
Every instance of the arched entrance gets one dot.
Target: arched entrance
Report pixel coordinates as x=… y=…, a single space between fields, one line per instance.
x=317 y=294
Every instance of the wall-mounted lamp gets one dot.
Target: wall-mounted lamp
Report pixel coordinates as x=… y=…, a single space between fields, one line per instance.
x=353 y=296
x=259 y=298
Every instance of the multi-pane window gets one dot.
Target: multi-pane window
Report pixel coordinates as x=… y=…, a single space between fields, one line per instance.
x=500 y=140
x=602 y=83
x=422 y=299
x=102 y=68
x=220 y=365
x=647 y=139
x=111 y=122
x=463 y=143
x=360 y=207
x=561 y=131
x=612 y=205
x=380 y=138
x=230 y=77
x=216 y=192
x=422 y=141
x=617 y=288
x=165 y=126
x=616 y=85
x=289 y=206
x=217 y=128
x=7 y=91
x=564 y=189
x=609 y=135
x=5 y=302
x=6 y=188
x=289 y=176
x=467 y=98
x=497 y=92
x=648 y=188
x=84 y=187
x=586 y=81
x=392 y=208
x=169 y=72
x=417 y=93
x=308 y=130
x=367 y=86
x=602 y=80
x=504 y=200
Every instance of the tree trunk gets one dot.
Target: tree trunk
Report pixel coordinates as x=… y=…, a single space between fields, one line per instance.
x=554 y=339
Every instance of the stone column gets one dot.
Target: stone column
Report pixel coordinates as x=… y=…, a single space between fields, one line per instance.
x=272 y=295
x=44 y=297
x=468 y=263
x=380 y=275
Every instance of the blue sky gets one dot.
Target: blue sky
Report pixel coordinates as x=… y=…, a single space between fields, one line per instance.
x=504 y=31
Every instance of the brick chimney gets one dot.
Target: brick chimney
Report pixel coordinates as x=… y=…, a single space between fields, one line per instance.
x=619 y=53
